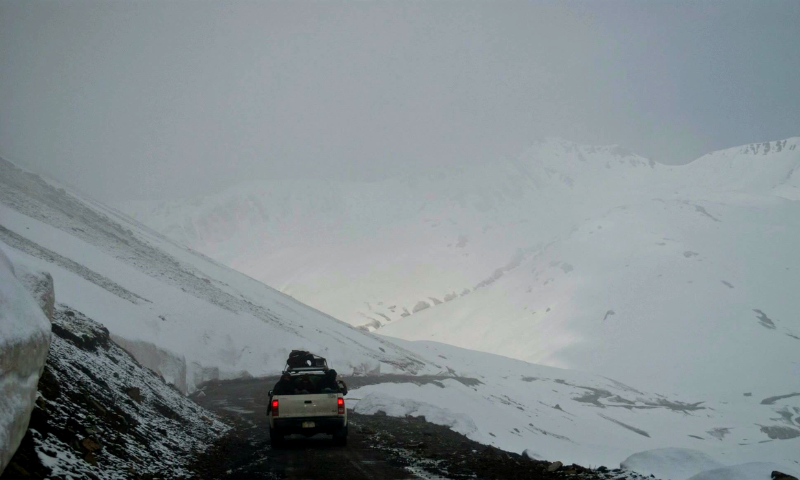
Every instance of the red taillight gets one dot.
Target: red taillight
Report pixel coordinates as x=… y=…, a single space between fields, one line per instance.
x=340 y=402
x=274 y=408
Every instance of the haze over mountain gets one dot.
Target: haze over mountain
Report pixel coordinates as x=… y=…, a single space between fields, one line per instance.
x=569 y=255
x=164 y=100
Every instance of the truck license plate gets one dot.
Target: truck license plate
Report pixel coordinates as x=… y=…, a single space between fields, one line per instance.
x=308 y=424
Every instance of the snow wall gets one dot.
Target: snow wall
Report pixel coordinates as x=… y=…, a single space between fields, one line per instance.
x=25 y=297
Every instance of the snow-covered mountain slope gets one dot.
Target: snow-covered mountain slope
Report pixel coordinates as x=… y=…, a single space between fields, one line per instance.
x=177 y=312
x=769 y=168
x=370 y=253
x=698 y=278
x=571 y=416
x=570 y=255
x=704 y=291
x=192 y=319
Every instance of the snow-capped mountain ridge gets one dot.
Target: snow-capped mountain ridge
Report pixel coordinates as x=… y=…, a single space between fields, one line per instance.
x=521 y=241
x=492 y=210
x=509 y=196
x=586 y=153
x=763 y=148
x=761 y=168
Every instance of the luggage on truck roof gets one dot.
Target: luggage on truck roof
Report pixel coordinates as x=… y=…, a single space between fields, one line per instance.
x=301 y=360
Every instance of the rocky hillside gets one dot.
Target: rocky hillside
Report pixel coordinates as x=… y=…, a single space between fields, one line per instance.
x=101 y=415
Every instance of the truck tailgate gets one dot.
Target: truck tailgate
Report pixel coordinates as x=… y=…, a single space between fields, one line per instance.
x=312 y=405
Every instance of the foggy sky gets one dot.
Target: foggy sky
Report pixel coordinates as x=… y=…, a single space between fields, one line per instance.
x=157 y=99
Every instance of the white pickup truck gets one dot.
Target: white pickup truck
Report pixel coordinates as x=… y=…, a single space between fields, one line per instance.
x=307 y=408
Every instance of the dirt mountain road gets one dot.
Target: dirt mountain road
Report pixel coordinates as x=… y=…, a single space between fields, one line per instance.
x=379 y=447
x=245 y=453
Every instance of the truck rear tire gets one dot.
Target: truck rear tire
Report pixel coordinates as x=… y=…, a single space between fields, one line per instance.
x=276 y=438
x=340 y=437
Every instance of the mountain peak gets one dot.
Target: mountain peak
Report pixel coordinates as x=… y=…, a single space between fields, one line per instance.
x=557 y=151
x=557 y=144
x=763 y=148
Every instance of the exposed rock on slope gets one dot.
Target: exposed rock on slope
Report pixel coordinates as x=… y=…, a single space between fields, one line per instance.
x=100 y=414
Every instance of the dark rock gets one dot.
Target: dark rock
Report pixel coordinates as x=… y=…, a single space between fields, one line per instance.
x=38 y=420
x=776 y=475
x=99 y=409
x=82 y=334
x=90 y=458
x=165 y=411
x=16 y=470
x=120 y=422
x=135 y=393
x=48 y=384
x=90 y=444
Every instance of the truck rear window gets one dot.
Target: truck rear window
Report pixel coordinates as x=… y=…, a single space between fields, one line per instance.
x=306 y=384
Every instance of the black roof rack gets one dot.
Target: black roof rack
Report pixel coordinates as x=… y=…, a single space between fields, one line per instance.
x=302 y=361
x=305 y=369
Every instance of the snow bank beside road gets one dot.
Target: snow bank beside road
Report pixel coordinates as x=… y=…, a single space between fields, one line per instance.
x=745 y=471
x=401 y=407
x=24 y=340
x=671 y=463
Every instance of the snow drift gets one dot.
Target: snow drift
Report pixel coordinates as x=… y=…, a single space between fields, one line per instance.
x=402 y=407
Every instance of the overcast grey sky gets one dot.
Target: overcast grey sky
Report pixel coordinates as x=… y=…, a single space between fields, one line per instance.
x=159 y=99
